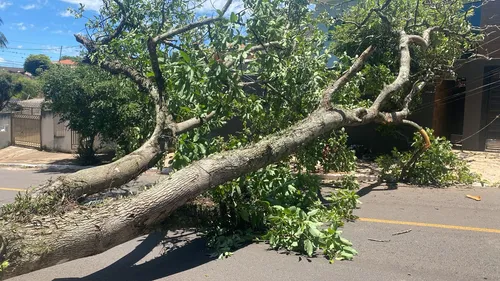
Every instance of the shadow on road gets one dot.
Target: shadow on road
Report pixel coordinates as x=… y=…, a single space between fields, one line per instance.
x=367 y=189
x=191 y=253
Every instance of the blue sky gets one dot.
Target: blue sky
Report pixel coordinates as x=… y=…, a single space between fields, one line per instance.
x=44 y=26
x=40 y=27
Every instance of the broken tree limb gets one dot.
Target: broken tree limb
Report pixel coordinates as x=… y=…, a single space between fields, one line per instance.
x=100 y=178
x=80 y=233
x=83 y=233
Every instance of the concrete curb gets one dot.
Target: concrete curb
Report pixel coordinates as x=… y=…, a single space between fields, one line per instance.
x=44 y=166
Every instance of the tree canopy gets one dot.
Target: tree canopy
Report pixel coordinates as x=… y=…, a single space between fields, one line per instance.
x=8 y=88
x=96 y=103
x=36 y=64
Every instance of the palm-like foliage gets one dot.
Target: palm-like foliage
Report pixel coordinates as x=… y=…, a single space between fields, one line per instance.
x=3 y=39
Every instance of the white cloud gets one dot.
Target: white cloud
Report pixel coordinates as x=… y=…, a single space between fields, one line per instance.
x=28 y=7
x=21 y=26
x=210 y=6
x=58 y=31
x=89 y=4
x=66 y=14
x=20 y=46
x=4 y=4
x=45 y=28
x=2 y=59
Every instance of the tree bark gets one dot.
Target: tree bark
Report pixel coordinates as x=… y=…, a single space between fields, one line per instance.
x=112 y=175
x=81 y=233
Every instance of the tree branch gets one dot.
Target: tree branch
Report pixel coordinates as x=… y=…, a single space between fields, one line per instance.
x=327 y=93
x=116 y=67
x=192 y=123
x=120 y=27
x=153 y=58
x=254 y=49
x=404 y=70
x=192 y=26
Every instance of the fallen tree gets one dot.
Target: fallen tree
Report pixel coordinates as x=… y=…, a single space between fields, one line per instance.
x=280 y=34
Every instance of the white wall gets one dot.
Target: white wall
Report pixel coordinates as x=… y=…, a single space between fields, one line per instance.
x=5 y=130
x=47 y=131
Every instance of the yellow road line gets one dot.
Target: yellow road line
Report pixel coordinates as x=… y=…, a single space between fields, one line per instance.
x=446 y=226
x=12 y=189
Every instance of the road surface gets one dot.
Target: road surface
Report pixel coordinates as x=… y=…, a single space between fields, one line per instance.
x=452 y=238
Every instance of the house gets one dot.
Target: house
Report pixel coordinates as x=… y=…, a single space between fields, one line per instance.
x=465 y=108
x=66 y=62
x=32 y=124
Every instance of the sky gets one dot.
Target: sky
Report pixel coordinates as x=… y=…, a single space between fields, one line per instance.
x=40 y=27
x=44 y=26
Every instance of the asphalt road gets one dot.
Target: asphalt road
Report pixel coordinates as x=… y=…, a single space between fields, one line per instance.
x=451 y=238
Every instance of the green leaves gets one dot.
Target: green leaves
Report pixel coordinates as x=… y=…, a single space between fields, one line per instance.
x=438 y=165
x=308 y=247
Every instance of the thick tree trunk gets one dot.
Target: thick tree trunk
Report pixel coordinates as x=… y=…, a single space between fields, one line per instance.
x=80 y=233
x=112 y=175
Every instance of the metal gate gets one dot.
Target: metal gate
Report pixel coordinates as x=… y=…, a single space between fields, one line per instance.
x=75 y=140
x=26 y=128
x=493 y=109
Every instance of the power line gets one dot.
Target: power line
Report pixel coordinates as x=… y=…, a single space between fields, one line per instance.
x=480 y=130
x=45 y=49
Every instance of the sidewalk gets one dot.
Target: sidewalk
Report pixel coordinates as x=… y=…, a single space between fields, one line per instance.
x=20 y=156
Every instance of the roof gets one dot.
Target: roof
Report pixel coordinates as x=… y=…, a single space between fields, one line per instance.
x=36 y=103
x=65 y=62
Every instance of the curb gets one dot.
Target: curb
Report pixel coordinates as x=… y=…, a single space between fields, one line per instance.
x=45 y=166
x=55 y=167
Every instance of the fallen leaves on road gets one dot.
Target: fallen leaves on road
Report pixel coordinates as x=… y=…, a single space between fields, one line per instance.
x=477 y=198
x=378 y=240
x=401 y=232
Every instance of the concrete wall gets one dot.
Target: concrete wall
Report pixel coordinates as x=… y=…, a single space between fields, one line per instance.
x=5 y=130
x=475 y=102
x=52 y=141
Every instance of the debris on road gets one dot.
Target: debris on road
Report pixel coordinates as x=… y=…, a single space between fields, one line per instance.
x=378 y=240
x=477 y=198
x=401 y=232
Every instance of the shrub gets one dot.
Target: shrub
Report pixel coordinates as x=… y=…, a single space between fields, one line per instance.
x=438 y=165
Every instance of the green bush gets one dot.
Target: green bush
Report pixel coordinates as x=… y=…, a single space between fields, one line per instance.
x=437 y=166
x=283 y=209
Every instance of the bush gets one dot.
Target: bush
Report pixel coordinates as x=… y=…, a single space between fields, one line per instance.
x=437 y=166
x=283 y=209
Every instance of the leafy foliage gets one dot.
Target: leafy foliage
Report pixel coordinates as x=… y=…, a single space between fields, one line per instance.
x=198 y=79
x=286 y=209
x=8 y=88
x=30 y=88
x=413 y=17
x=438 y=165
x=3 y=39
x=96 y=103
x=36 y=64
x=332 y=152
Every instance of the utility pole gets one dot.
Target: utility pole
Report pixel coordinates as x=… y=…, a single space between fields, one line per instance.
x=60 y=54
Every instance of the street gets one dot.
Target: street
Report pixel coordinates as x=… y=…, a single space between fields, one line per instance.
x=402 y=234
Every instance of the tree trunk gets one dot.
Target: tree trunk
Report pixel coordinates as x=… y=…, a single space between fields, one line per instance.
x=112 y=175
x=81 y=233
